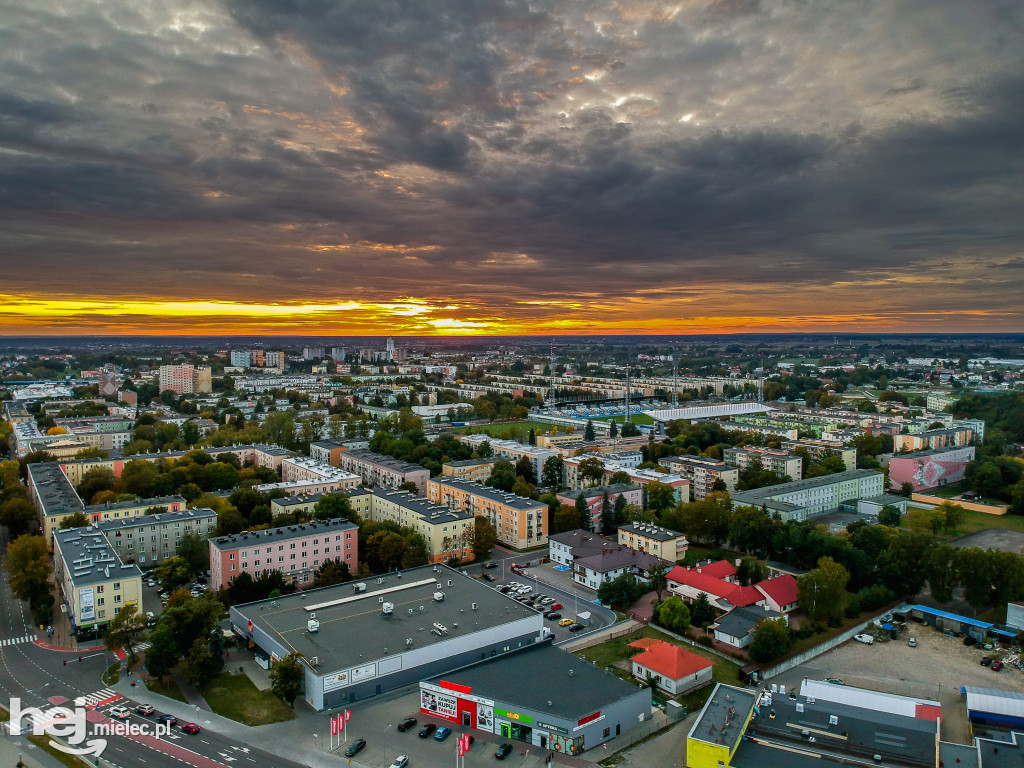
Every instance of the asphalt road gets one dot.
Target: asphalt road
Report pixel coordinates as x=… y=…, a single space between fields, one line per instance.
x=39 y=678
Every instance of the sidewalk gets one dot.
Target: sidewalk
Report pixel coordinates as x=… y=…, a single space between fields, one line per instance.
x=13 y=747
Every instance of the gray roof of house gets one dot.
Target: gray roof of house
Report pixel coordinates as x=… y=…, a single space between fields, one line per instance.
x=740 y=621
x=156 y=501
x=284 y=533
x=570 y=687
x=470 y=462
x=198 y=513
x=494 y=494
x=582 y=542
x=623 y=557
x=357 y=632
x=89 y=558
x=380 y=460
x=726 y=705
x=651 y=531
x=428 y=511
x=56 y=494
x=758 y=495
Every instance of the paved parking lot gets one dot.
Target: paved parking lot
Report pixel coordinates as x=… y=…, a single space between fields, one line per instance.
x=936 y=669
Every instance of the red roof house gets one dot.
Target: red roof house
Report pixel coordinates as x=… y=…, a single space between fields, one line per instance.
x=674 y=669
x=781 y=593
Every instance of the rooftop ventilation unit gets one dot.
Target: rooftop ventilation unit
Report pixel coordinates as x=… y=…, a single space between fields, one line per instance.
x=473 y=606
x=312 y=625
x=387 y=608
x=438 y=596
x=360 y=587
x=441 y=628
x=408 y=642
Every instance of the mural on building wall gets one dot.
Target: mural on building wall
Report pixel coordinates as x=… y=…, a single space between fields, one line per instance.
x=926 y=472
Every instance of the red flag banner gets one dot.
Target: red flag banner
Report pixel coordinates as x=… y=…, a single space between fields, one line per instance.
x=334 y=726
x=348 y=715
x=341 y=723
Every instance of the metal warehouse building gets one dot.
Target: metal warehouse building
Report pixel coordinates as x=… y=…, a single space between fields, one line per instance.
x=360 y=639
x=543 y=696
x=991 y=707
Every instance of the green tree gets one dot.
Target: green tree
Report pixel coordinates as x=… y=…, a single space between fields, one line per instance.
x=588 y=432
x=674 y=614
x=607 y=516
x=94 y=481
x=195 y=550
x=503 y=475
x=484 y=538
x=28 y=567
x=221 y=476
x=583 y=508
x=551 y=476
x=331 y=572
x=703 y=613
x=162 y=655
x=591 y=469
x=137 y=477
x=619 y=512
x=890 y=516
x=771 y=639
x=199 y=662
x=822 y=591
x=942 y=573
x=657 y=577
x=565 y=518
x=190 y=433
x=620 y=478
x=216 y=644
x=525 y=469
x=173 y=572
x=334 y=505
x=620 y=592
x=954 y=515
x=907 y=490
x=127 y=626
x=286 y=678
x=660 y=496
x=613 y=429
x=18 y=515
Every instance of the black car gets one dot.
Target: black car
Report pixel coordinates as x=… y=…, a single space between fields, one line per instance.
x=986 y=661
x=553 y=615
x=503 y=751
x=406 y=724
x=354 y=748
x=167 y=719
x=427 y=729
x=491 y=565
x=576 y=627
x=489 y=577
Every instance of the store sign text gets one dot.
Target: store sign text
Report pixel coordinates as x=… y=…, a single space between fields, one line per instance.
x=513 y=715
x=589 y=718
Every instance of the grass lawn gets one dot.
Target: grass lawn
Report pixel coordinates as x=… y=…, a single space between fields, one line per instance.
x=606 y=654
x=235 y=696
x=171 y=690
x=638 y=418
x=112 y=674
x=506 y=430
x=975 y=521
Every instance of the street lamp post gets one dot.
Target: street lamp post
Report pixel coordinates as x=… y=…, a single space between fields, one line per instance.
x=386 y=743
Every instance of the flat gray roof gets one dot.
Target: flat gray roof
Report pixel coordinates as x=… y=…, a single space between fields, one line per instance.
x=357 y=632
x=651 y=531
x=56 y=494
x=721 y=721
x=763 y=494
x=369 y=457
x=199 y=513
x=493 y=494
x=546 y=679
x=434 y=513
x=156 y=501
x=284 y=533
x=89 y=558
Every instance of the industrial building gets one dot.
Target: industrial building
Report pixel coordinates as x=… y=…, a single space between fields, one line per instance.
x=360 y=639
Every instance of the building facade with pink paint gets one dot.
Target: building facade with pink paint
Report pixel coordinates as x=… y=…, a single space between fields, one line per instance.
x=297 y=551
x=930 y=469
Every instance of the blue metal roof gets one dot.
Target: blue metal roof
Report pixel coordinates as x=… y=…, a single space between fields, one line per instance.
x=948 y=615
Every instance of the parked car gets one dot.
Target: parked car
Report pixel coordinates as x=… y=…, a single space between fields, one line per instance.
x=556 y=606
x=912 y=642
x=400 y=762
x=490 y=565
x=121 y=713
x=996 y=666
x=191 y=728
x=167 y=719
x=443 y=733
x=566 y=623
x=503 y=751
x=489 y=577
x=150 y=619
x=987 y=646
x=354 y=747
x=145 y=709
x=863 y=638
x=834 y=681
x=406 y=724
x=552 y=615
x=427 y=729
x=986 y=661
x=548 y=600
x=969 y=641
x=576 y=627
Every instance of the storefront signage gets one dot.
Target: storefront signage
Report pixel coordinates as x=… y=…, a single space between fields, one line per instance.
x=88 y=605
x=364 y=672
x=465 y=696
x=485 y=718
x=439 y=704
x=455 y=687
x=336 y=681
x=589 y=718
x=513 y=716
x=550 y=727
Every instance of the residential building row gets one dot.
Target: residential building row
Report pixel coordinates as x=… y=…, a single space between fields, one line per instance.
x=150 y=539
x=376 y=469
x=803 y=499
x=304 y=476
x=185 y=379
x=595 y=499
x=770 y=459
x=702 y=473
x=518 y=521
x=512 y=451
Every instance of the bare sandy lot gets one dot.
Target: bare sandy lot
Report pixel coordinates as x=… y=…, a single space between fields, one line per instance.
x=936 y=669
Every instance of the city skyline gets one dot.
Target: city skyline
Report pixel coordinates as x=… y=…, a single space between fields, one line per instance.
x=496 y=168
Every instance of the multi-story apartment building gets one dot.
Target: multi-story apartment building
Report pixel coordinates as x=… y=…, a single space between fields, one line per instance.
x=654 y=540
x=575 y=481
x=448 y=532
x=359 y=498
x=384 y=471
x=513 y=451
x=297 y=551
x=92 y=581
x=702 y=473
x=518 y=521
x=185 y=379
x=328 y=451
x=469 y=469
x=803 y=499
x=819 y=449
x=594 y=498
x=779 y=462
x=953 y=437
x=151 y=539
x=16 y=412
x=303 y=476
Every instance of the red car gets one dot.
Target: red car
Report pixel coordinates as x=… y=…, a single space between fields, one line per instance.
x=555 y=607
x=191 y=728
x=996 y=666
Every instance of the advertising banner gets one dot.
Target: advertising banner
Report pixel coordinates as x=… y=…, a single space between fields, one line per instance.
x=485 y=718
x=86 y=600
x=365 y=672
x=336 y=681
x=439 y=704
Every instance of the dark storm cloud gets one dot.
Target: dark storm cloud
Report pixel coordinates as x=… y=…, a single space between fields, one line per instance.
x=583 y=147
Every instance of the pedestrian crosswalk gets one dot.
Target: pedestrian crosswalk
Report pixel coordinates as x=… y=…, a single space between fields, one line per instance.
x=98 y=699
x=141 y=647
x=17 y=640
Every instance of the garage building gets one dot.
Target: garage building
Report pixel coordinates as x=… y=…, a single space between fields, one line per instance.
x=543 y=696
x=994 y=708
x=360 y=639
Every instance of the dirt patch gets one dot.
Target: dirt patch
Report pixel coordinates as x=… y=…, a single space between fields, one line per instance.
x=993 y=538
x=936 y=669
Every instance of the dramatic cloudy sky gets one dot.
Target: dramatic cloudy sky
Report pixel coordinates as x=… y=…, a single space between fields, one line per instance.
x=489 y=166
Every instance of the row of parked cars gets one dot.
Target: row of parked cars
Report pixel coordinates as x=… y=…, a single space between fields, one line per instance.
x=440 y=734
x=541 y=602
